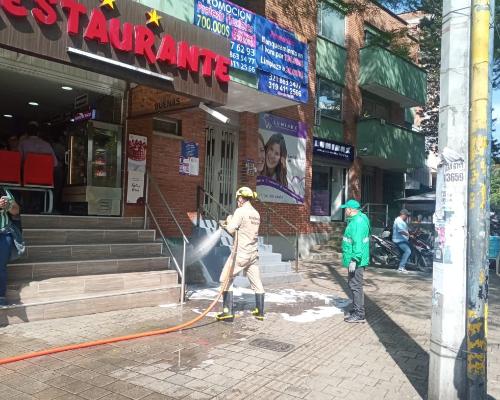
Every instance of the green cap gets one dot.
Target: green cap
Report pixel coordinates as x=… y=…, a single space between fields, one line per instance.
x=351 y=204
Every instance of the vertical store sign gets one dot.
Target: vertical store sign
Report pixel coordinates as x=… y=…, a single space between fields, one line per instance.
x=282 y=61
x=235 y=23
x=282 y=149
x=136 y=167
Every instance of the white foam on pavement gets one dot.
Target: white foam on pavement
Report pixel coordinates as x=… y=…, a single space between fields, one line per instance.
x=283 y=296
x=313 y=314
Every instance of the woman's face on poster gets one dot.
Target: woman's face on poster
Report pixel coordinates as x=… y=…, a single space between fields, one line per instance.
x=261 y=157
x=273 y=155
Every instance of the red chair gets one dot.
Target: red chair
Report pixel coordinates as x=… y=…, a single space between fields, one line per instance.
x=38 y=170
x=10 y=167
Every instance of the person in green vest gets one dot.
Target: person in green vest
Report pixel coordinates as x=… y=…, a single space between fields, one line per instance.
x=356 y=256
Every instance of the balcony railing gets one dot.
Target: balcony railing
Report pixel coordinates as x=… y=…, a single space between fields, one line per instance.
x=390 y=146
x=392 y=77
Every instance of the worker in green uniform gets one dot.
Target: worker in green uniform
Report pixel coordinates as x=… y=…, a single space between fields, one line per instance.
x=356 y=256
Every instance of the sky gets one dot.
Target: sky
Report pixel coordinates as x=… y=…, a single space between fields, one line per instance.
x=496 y=113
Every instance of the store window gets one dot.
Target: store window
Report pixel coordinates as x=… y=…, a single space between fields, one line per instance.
x=331 y=23
x=166 y=127
x=329 y=99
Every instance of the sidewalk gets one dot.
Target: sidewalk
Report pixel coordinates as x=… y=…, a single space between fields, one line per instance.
x=302 y=349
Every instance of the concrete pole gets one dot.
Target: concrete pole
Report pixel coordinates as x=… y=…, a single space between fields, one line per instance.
x=478 y=210
x=447 y=369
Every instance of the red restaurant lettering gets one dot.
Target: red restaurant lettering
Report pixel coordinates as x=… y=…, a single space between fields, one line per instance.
x=125 y=37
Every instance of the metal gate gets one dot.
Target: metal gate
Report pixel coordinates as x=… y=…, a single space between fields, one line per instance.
x=221 y=167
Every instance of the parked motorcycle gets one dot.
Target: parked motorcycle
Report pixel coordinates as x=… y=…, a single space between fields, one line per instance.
x=385 y=253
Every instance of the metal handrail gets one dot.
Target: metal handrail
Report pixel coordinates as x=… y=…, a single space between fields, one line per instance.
x=200 y=209
x=367 y=206
x=181 y=270
x=283 y=219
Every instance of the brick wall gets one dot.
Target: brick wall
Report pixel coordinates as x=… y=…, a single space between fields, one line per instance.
x=163 y=161
x=300 y=17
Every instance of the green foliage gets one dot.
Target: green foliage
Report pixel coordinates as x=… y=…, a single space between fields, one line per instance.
x=495 y=188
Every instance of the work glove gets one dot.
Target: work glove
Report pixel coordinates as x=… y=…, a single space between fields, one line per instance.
x=352 y=266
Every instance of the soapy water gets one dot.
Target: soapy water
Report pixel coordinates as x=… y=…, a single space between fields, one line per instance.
x=204 y=247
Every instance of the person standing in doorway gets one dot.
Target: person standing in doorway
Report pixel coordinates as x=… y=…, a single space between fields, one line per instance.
x=244 y=225
x=8 y=208
x=401 y=237
x=356 y=256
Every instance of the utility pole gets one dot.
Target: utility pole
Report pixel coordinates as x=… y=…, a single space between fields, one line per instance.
x=478 y=198
x=447 y=368
x=458 y=347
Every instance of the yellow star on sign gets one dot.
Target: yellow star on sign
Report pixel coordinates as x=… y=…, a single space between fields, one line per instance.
x=108 y=3
x=153 y=18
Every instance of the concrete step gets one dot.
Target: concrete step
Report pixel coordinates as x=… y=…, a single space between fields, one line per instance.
x=46 y=270
x=89 y=304
x=324 y=256
x=267 y=258
x=51 y=289
x=40 y=236
x=265 y=248
x=74 y=222
x=71 y=252
x=275 y=267
x=274 y=278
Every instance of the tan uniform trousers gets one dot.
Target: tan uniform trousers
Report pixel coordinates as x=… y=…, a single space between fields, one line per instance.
x=250 y=268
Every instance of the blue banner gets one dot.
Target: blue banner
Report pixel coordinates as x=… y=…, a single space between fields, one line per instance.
x=237 y=24
x=283 y=87
x=279 y=52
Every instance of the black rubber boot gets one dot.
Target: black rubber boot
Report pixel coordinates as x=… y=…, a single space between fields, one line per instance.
x=227 y=308
x=259 y=306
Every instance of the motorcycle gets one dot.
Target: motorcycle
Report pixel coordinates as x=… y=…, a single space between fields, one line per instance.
x=385 y=253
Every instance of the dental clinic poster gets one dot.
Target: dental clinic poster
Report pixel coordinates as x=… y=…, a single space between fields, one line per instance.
x=281 y=160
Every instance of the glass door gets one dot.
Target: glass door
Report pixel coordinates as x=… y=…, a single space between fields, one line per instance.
x=320 y=201
x=76 y=156
x=104 y=154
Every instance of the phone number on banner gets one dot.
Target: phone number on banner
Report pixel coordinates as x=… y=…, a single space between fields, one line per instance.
x=279 y=86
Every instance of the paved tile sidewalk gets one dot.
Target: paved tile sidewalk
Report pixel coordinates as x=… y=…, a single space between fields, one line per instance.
x=386 y=358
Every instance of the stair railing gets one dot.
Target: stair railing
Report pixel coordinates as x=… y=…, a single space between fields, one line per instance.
x=181 y=268
x=294 y=243
x=376 y=212
x=201 y=210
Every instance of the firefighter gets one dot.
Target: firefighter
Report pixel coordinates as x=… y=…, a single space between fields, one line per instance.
x=244 y=225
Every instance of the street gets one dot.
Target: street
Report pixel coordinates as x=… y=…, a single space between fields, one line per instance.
x=303 y=349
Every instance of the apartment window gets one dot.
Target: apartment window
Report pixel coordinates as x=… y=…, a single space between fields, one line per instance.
x=331 y=23
x=375 y=37
x=329 y=99
x=374 y=108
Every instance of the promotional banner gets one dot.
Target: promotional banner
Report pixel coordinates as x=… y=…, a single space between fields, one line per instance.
x=235 y=23
x=279 y=86
x=136 y=167
x=189 y=163
x=279 y=52
x=281 y=161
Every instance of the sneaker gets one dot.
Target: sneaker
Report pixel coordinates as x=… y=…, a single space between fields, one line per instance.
x=403 y=270
x=348 y=315
x=355 y=319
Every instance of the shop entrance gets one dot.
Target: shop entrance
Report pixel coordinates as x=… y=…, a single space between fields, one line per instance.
x=221 y=166
x=328 y=187
x=73 y=118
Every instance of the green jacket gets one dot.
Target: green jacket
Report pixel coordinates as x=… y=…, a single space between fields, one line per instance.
x=356 y=241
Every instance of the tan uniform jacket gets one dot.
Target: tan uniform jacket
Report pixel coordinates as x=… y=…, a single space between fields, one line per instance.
x=246 y=220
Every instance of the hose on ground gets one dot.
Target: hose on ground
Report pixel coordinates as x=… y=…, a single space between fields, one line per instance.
x=100 y=342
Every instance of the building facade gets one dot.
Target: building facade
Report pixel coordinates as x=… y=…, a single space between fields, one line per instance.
x=314 y=82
